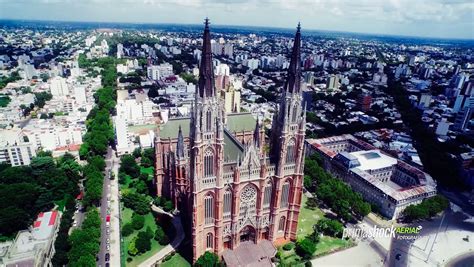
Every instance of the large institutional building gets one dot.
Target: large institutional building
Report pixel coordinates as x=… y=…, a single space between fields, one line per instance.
x=236 y=186
x=389 y=183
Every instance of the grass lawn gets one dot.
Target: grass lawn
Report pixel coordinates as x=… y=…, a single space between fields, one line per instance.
x=307 y=218
x=176 y=261
x=155 y=247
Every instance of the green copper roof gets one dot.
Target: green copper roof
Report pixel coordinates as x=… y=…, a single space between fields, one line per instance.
x=236 y=122
x=232 y=147
x=170 y=129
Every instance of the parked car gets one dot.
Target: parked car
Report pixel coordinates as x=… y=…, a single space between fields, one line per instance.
x=107 y=256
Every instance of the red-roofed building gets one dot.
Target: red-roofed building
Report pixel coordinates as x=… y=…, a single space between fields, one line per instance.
x=34 y=247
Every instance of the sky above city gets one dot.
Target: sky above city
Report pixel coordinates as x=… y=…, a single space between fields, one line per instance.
x=426 y=18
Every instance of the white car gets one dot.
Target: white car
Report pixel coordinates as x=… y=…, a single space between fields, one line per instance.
x=107 y=247
x=74 y=224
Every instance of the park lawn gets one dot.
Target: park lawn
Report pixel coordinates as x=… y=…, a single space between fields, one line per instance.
x=327 y=244
x=176 y=261
x=155 y=246
x=307 y=218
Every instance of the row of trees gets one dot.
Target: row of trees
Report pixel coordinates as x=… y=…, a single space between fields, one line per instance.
x=85 y=242
x=426 y=209
x=434 y=155
x=100 y=131
x=336 y=194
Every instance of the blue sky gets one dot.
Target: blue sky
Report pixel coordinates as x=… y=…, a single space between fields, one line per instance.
x=431 y=18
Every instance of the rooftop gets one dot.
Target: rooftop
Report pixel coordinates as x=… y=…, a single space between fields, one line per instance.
x=373 y=160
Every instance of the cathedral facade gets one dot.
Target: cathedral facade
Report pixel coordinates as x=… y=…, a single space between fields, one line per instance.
x=230 y=182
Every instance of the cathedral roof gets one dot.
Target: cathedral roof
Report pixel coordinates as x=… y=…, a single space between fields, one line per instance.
x=236 y=122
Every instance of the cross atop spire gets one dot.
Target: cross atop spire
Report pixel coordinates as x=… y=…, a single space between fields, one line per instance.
x=206 y=73
x=292 y=84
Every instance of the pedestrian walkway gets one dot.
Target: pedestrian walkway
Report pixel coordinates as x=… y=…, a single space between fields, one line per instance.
x=115 y=216
x=176 y=220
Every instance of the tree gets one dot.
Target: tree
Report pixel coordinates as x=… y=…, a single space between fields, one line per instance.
x=138 y=221
x=127 y=229
x=329 y=227
x=136 y=202
x=132 y=249
x=305 y=248
x=143 y=242
x=129 y=166
x=146 y=162
x=141 y=187
x=137 y=152
x=160 y=236
x=84 y=261
x=208 y=259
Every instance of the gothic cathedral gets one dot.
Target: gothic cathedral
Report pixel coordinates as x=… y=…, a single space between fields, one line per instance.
x=230 y=182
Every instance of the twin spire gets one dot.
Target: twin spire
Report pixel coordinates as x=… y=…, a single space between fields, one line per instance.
x=206 y=87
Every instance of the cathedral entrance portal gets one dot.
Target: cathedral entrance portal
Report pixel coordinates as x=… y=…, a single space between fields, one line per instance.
x=247 y=234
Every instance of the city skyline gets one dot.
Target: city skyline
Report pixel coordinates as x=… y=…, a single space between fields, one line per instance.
x=439 y=19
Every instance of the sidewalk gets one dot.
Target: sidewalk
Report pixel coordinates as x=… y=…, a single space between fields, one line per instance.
x=115 y=258
x=176 y=220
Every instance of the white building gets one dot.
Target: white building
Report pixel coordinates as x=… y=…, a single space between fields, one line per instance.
x=80 y=94
x=389 y=183
x=33 y=247
x=58 y=86
x=124 y=146
x=16 y=148
x=158 y=72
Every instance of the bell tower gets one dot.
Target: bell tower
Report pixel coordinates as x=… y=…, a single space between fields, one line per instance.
x=207 y=155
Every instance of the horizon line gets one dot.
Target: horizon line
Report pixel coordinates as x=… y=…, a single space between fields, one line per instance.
x=251 y=26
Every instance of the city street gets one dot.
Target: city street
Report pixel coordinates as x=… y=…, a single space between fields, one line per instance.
x=446 y=245
x=110 y=234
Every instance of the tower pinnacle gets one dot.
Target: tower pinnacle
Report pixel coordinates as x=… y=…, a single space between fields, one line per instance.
x=206 y=73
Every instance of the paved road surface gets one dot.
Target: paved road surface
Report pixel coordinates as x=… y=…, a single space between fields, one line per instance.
x=110 y=206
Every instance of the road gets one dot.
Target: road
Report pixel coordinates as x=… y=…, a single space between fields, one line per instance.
x=452 y=221
x=110 y=234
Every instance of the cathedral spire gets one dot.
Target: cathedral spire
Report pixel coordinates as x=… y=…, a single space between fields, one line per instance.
x=180 y=144
x=292 y=84
x=206 y=73
x=256 y=134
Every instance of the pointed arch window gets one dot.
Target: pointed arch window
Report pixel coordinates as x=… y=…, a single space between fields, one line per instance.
x=209 y=240
x=267 y=196
x=209 y=208
x=227 y=204
x=285 y=194
x=281 y=224
x=291 y=152
x=295 y=114
x=208 y=163
x=208 y=120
